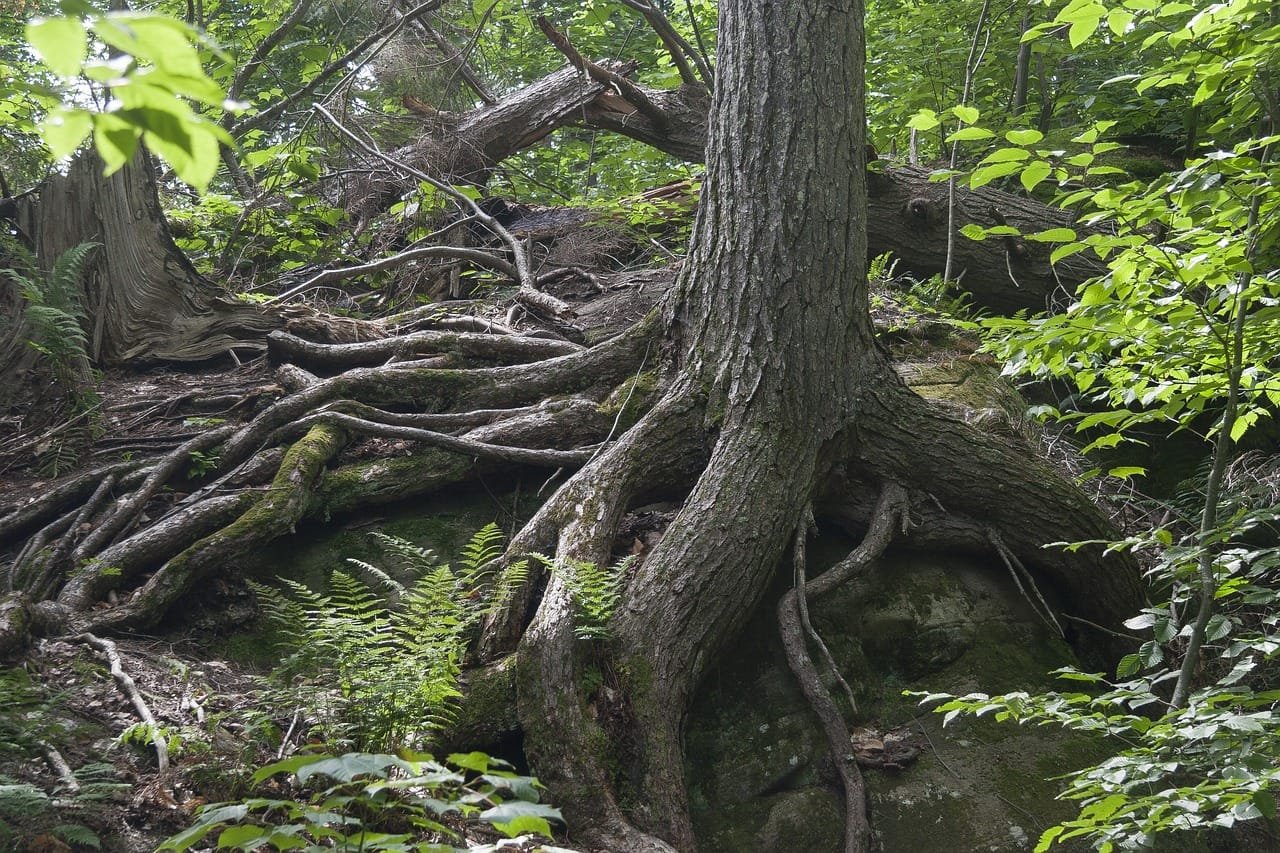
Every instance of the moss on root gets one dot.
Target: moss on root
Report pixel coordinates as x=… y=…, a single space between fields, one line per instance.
x=631 y=399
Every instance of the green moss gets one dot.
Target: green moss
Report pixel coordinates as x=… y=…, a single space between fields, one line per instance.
x=487 y=712
x=631 y=400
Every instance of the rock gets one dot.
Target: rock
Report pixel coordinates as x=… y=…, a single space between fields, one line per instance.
x=757 y=761
x=971 y=390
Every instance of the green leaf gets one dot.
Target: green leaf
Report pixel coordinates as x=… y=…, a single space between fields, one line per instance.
x=64 y=129
x=1034 y=174
x=1124 y=472
x=968 y=115
x=923 y=120
x=1118 y=20
x=1065 y=251
x=1006 y=155
x=61 y=43
x=522 y=825
x=236 y=836
x=1129 y=665
x=967 y=134
x=478 y=761
x=1048 y=837
x=1053 y=235
x=1081 y=30
x=1024 y=137
x=115 y=139
x=519 y=812
x=987 y=174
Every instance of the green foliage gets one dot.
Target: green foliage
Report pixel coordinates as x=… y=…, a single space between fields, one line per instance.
x=26 y=810
x=373 y=664
x=595 y=591
x=53 y=309
x=154 y=69
x=377 y=802
x=1179 y=333
x=56 y=320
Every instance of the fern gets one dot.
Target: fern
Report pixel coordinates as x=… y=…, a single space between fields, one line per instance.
x=77 y=834
x=384 y=655
x=595 y=591
x=54 y=311
x=56 y=319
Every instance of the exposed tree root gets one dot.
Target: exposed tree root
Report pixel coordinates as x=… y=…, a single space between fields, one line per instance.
x=889 y=513
x=587 y=510
x=84 y=547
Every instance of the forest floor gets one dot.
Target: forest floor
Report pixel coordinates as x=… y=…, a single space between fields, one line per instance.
x=98 y=771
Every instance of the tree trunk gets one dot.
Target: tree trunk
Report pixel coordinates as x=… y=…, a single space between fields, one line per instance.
x=144 y=299
x=775 y=363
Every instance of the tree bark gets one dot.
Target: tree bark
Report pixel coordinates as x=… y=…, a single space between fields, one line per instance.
x=144 y=299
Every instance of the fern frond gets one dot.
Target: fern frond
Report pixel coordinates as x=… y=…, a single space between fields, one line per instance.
x=379 y=577
x=416 y=560
x=62 y=288
x=78 y=834
x=514 y=576
x=483 y=548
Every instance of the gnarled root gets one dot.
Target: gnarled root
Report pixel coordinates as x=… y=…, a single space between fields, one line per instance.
x=793 y=624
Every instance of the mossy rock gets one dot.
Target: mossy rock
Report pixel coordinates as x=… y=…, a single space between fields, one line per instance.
x=757 y=759
x=972 y=390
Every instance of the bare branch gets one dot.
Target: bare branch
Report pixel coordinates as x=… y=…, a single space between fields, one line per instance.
x=130 y=690
x=477 y=256
x=470 y=447
x=630 y=91
x=680 y=49
x=272 y=112
x=268 y=44
x=528 y=293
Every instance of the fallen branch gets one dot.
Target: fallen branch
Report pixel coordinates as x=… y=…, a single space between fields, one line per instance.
x=517 y=455
x=130 y=690
x=499 y=347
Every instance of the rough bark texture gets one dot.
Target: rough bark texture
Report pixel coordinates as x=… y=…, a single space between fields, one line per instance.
x=145 y=300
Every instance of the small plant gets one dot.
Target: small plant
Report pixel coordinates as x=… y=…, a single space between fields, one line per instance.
x=595 y=591
x=374 y=802
x=374 y=663
x=202 y=462
x=55 y=321
x=53 y=311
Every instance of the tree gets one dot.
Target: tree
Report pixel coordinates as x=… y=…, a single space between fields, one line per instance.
x=772 y=404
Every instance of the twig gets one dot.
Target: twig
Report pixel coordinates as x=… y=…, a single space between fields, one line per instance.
x=130 y=690
x=60 y=766
x=1015 y=566
x=934 y=750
